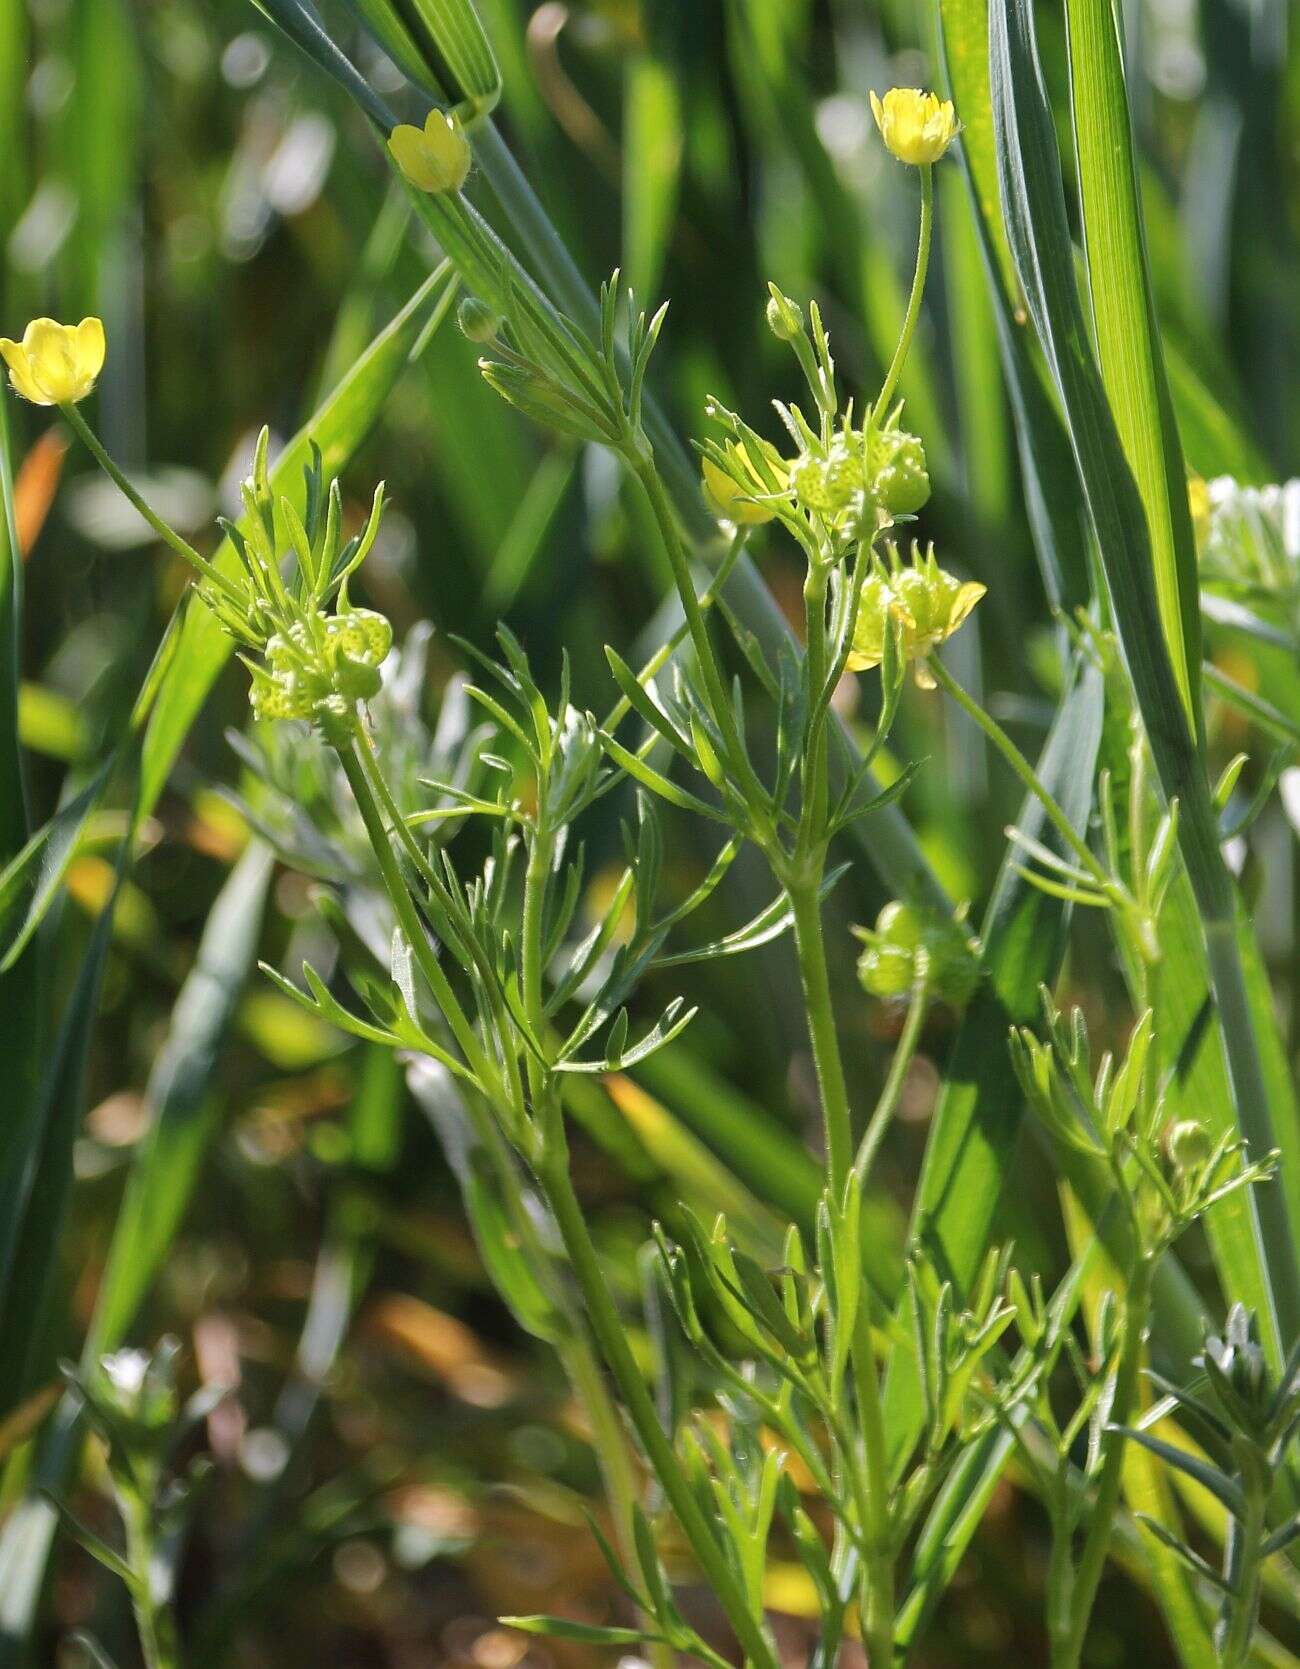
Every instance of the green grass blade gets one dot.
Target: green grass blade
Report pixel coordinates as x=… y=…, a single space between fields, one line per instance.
x=36 y=1181
x=181 y=1101
x=20 y=1040
x=1128 y=339
x=1051 y=485
x=1035 y=206
x=652 y=158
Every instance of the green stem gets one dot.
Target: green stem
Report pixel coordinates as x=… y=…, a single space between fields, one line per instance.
x=877 y=1529
x=805 y=903
x=883 y=1112
x=168 y=535
x=153 y=1621
x=1060 y=1571
x=1235 y=1649
x=611 y=1336
x=610 y=1442
x=878 y=1598
x=1020 y=765
x=719 y=701
x=881 y=409
x=399 y=896
x=661 y=657
x=1087 y=1577
x=813 y=812
x=535 y=882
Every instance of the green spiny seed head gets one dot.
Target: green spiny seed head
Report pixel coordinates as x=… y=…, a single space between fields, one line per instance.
x=908 y=944
x=887 y=971
x=899 y=924
x=830 y=487
x=320 y=676
x=897 y=477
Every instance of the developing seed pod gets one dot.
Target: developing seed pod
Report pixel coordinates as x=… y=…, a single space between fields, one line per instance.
x=830 y=487
x=907 y=944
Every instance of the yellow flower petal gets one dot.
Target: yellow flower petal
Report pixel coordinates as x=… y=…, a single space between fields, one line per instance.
x=435 y=157
x=91 y=348
x=407 y=146
x=49 y=348
x=730 y=500
x=20 y=371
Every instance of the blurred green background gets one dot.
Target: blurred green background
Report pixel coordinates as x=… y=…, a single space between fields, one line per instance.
x=400 y=1463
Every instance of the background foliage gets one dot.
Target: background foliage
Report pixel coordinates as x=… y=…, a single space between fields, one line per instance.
x=400 y=1463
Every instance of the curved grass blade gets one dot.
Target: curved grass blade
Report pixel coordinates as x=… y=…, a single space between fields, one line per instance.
x=1128 y=339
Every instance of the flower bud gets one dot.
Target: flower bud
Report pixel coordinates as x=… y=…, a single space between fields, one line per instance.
x=1188 y=1143
x=479 y=322
x=908 y=944
x=784 y=317
x=917 y=127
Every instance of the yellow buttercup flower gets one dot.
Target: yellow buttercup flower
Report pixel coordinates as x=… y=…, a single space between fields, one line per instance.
x=924 y=599
x=917 y=127
x=54 y=364
x=435 y=157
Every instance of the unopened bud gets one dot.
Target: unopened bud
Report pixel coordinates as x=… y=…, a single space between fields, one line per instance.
x=479 y=322
x=784 y=317
x=1188 y=1143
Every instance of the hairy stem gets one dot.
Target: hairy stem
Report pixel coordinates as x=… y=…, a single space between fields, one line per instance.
x=153 y=1620
x=1235 y=1648
x=805 y=902
x=399 y=896
x=91 y=441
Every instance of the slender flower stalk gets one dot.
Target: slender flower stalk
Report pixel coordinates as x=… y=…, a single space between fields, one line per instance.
x=913 y=312
x=904 y=1051
x=1020 y=765
x=165 y=532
